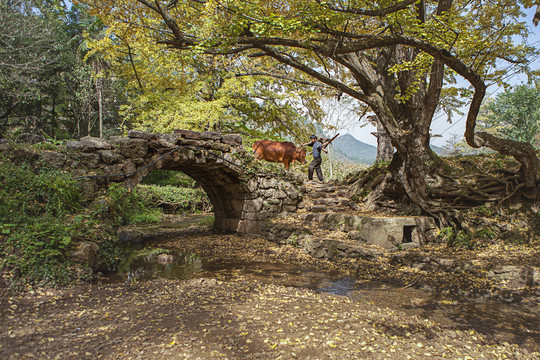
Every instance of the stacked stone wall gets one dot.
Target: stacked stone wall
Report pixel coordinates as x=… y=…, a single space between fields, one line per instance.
x=241 y=197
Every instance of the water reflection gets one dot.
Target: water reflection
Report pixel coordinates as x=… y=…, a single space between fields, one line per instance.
x=182 y=266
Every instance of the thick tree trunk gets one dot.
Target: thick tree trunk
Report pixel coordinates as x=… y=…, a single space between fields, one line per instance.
x=385 y=150
x=407 y=174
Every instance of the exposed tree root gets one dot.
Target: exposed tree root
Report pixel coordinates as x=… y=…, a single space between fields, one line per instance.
x=379 y=190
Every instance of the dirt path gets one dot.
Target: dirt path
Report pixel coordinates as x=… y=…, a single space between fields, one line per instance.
x=242 y=318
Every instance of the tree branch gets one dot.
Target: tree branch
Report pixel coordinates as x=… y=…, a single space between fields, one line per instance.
x=133 y=66
x=283 y=78
x=379 y=12
x=288 y=60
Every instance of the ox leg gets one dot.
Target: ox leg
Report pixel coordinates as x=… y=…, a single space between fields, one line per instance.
x=287 y=164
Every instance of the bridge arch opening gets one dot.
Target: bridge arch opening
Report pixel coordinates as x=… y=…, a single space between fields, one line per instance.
x=174 y=192
x=228 y=194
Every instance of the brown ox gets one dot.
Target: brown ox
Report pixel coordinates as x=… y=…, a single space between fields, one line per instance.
x=285 y=152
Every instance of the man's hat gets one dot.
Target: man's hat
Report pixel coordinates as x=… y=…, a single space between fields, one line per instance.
x=312 y=137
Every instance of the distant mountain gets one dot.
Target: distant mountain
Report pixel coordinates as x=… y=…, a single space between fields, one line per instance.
x=347 y=148
x=438 y=150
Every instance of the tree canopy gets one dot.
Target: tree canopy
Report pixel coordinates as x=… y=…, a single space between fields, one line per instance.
x=46 y=90
x=399 y=58
x=514 y=113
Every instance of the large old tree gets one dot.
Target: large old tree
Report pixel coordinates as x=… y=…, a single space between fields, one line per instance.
x=400 y=58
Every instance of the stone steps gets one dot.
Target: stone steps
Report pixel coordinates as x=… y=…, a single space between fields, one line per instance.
x=330 y=216
x=326 y=197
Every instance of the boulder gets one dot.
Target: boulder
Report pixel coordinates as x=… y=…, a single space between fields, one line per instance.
x=86 y=253
x=141 y=135
x=131 y=147
x=90 y=160
x=165 y=259
x=109 y=157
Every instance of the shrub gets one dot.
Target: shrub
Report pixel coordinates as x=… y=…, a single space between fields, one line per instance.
x=175 y=199
x=169 y=177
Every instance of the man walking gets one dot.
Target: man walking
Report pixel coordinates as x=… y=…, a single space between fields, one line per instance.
x=317 y=160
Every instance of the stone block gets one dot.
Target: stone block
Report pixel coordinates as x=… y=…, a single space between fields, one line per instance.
x=515 y=277
x=221 y=223
x=78 y=146
x=139 y=162
x=280 y=194
x=53 y=158
x=254 y=205
x=273 y=201
x=252 y=216
x=132 y=148
x=211 y=135
x=252 y=185
x=446 y=264
x=95 y=143
x=113 y=169
x=90 y=160
x=109 y=157
x=289 y=201
x=142 y=135
x=166 y=141
x=128 y=166
x=232 y=139
x=86 y=253
x=205 y=135
x=268 y=183
x=188 y=134
x=289 y=208
x=192 y=142
x=248 y=227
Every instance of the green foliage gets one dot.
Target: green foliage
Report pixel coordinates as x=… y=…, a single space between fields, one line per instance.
x=47 y=90
x=124 y=207
x=514 y=114
x=485 y=211
x=39 y=251
x=454 y=238
x=480 y=237
x=485 y=235
x=112 y=253
x=50 y=192
x=169 y=177
x=178 y=199
x=37 y=226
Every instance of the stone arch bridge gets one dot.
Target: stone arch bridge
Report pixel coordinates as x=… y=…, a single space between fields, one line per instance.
x=242 y=198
